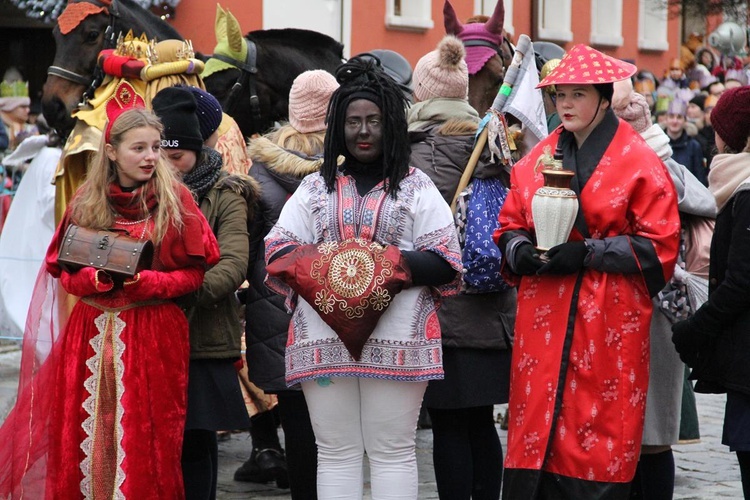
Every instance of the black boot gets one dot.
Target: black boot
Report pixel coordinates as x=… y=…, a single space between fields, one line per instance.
x=267 y=462
x=272 y=464
x=249 y=472
x=264 y=466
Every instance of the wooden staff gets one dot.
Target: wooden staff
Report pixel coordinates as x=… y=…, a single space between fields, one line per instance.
x=513 y=72
x=470 y=166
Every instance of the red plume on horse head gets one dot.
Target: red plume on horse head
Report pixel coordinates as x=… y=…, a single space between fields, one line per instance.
x=482 y=40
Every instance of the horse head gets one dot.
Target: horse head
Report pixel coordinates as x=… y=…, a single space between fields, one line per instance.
x=488 y=52
x=251 y=76
x=82 y=31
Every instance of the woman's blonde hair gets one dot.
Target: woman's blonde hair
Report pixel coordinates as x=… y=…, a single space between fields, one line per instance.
x=288 y=137
x=93 y=195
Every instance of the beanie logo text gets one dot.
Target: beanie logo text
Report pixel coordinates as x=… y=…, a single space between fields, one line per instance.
x=170 y=143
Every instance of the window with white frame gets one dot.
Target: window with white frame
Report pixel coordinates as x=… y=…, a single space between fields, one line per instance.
x=553 y=21
x=652 y=25
x=409 y=14
x=487 y=7
x=606 y=22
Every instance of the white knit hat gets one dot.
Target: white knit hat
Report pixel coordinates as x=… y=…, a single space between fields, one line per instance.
x=442 y=72
x=308 y=100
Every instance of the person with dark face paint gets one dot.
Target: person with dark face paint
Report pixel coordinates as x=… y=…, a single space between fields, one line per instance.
x=364 y=131
x=366 y=190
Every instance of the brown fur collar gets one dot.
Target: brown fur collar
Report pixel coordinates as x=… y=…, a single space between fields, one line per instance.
x=281 y=160
x=242 y=184
x=457 y=126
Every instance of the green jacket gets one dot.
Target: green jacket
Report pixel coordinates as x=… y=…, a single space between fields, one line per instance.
x=213 y=311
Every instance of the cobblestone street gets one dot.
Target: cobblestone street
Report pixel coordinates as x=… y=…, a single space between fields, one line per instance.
x=706 y=470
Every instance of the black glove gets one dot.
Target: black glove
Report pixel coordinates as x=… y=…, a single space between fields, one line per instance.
x=688 y=341
x=527 y=260
x=566 y=258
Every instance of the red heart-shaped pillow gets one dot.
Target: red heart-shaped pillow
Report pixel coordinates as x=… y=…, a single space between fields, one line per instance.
x=350 y=284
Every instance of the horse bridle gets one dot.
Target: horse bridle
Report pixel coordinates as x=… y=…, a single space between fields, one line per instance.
x=248 y=72
x=91 y=82
x=493 y=46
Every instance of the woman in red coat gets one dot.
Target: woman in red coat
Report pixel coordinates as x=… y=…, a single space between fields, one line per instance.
x=581 y=353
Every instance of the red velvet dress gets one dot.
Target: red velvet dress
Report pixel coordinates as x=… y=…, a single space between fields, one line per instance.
x=119 y=375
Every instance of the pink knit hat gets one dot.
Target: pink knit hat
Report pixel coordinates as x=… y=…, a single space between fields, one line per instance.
x=442 y=72
x=636 y=112
x=308 y=100
x=8 y=104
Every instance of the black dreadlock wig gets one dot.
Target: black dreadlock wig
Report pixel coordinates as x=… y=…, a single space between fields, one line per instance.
x=363 y=77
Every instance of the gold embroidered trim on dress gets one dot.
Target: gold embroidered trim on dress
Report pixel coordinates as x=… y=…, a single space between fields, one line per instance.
x=110 y=326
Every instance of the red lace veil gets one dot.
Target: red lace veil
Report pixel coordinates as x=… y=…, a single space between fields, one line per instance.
x=24 y=434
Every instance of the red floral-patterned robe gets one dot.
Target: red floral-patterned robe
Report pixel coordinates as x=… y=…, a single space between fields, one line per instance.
x=581 y=350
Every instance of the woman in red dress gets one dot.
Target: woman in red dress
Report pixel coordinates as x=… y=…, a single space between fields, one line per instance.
x=103 y=415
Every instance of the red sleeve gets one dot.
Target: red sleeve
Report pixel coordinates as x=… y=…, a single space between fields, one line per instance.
x=149 y=285
x=514 y=214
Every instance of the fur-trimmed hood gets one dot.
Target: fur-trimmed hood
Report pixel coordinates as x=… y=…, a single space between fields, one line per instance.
x=441 y=132
x=456 y=116
x=283 y=162
x=242 y=184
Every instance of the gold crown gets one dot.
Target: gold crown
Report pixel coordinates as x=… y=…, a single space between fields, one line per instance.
x=546 y=70
x=151 y=52
x=132 y=46
x=166 y=50
x=186 y=52
x=14 y=89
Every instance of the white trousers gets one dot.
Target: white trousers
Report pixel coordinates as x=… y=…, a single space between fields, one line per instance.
x=351 y=416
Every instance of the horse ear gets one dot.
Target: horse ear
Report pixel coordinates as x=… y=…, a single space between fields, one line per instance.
x=220 y=25
x=495 y=23
x=452 y=25
x=234 y=33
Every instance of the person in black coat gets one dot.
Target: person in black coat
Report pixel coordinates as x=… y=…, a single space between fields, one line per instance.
x=715 y=342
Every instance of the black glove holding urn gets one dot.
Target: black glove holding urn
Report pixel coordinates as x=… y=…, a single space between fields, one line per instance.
x=527 y=261
x=566 y=258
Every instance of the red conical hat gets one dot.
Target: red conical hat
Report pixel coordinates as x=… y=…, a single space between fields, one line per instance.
x=584 y=65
